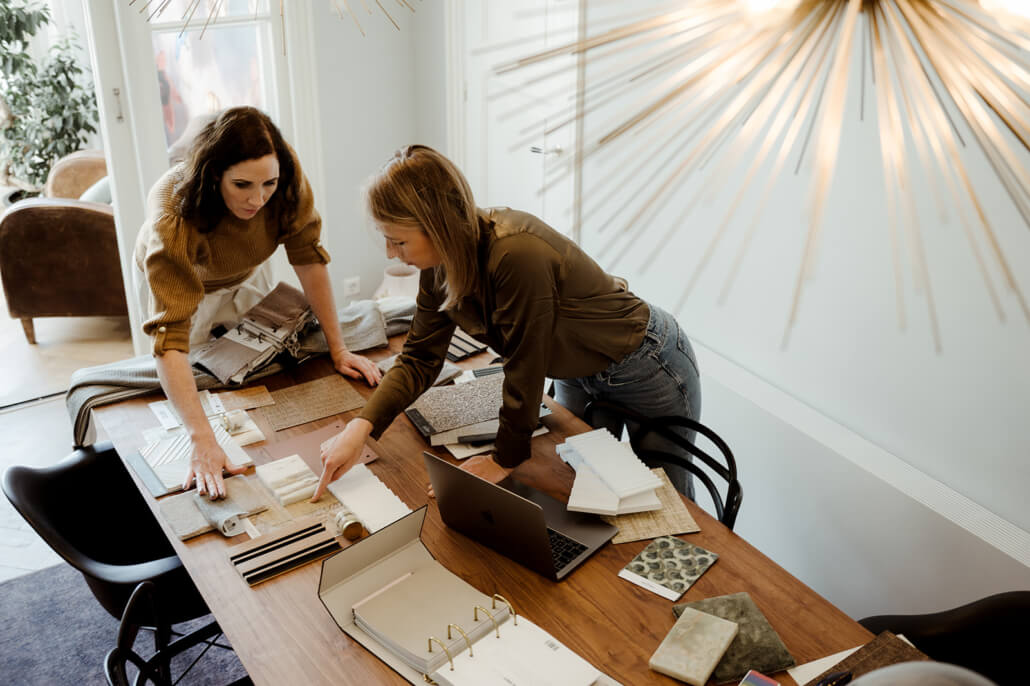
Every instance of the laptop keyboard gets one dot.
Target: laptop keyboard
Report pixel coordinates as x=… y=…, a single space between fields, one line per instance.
x=563 y=549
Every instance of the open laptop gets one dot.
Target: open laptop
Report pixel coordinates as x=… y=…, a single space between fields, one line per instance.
x=516 y=520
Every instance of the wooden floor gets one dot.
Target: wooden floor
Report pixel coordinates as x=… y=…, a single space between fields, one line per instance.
x=38 y=432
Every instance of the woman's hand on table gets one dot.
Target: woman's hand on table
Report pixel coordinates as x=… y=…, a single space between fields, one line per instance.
x=206 y=465
x=341 y=452
x=356 y=366
x=484 y=467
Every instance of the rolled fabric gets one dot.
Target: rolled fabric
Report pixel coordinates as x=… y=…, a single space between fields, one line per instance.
x=223 y=515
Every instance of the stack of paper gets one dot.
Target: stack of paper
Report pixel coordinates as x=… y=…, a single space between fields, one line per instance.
x=610 y=478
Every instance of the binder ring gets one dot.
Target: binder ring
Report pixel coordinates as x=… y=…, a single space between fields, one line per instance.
x=475 y=617
x=447 y=652
x=462 y=632
x=514 y=615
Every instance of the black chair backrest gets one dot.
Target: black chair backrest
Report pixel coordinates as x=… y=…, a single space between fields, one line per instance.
x=726 y=507
x=90 y=512
x=987 y=636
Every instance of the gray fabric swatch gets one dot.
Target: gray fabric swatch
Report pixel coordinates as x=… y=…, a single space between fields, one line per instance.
x=757 y=645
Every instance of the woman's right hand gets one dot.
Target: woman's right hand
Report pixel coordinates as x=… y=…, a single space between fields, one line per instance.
x=341 y=453
x=206 y=465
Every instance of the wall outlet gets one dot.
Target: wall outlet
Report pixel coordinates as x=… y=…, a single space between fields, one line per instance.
x=352 y=285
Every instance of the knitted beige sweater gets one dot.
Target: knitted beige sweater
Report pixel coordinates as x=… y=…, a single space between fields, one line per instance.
x=182 y=264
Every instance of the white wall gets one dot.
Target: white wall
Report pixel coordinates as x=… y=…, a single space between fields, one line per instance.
x=368 y=108
x=953 y=421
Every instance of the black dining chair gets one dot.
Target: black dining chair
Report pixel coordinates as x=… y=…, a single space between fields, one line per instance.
x=987 y=636
x=89 y=511
x=644 y=429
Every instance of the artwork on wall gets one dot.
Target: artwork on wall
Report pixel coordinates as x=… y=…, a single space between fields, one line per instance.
x=767 y=83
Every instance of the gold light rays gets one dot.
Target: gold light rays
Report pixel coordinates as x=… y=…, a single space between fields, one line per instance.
x=710 y=81
x=215 y=8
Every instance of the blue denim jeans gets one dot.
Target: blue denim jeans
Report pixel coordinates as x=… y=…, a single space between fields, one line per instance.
x=660 y=378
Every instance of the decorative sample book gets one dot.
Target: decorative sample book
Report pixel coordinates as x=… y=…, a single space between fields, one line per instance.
x=313 y=400
x=163 y=462
x=672 y=519
x=591 y=494
x=757 y=645
x=290 y=479
x=267 y=329
x=693 y=647
x=463 y=346
x=387 y=592
x=668 y=566
x=886 y=649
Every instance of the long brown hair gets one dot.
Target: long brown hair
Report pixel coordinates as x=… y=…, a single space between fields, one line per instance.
x=419 y=187
x=236 y=135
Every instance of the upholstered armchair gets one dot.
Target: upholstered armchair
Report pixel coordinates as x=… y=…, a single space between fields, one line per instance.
x=59 y=255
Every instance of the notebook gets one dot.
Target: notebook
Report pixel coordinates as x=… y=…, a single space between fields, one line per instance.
x=668 y=566
x=757 y=645
x=692 y=648
x=390 y=594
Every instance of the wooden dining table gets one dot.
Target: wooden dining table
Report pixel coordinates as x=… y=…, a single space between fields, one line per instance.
x=284 y=636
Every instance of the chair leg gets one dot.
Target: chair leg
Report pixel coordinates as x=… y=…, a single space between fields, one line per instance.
x=30 y=329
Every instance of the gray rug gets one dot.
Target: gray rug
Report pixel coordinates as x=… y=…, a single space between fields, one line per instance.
x=53 y=631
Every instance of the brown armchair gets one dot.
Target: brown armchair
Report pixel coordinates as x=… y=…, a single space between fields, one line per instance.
x=59 y=258
x=73 y=174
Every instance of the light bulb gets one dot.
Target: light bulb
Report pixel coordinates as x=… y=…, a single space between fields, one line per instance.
x=1019 y=8
x=760 y=7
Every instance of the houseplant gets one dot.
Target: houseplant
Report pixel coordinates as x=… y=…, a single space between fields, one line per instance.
x=47 y=109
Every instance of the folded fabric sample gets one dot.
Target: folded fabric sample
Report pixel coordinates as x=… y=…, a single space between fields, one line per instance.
x=668 y=566
x=591 y=494
x=290 y=479
x=166 y=457
x=757 y=645
x=886 y=649
x=183 y=513
x=463 y=346
x=693 y=647
x=267 y=329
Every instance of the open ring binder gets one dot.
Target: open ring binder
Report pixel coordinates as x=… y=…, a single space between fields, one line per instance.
x=449 y=658
x=511 y=609
x=475 y=617
x=467 y=641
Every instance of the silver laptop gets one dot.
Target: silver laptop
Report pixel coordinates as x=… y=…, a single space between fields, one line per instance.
x=516 y=520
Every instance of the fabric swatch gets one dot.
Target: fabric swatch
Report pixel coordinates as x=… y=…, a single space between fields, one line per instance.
x=668 y=566
x=313 y=400
x=757 y=645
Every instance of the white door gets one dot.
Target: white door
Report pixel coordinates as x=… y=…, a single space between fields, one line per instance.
x=158 y=80
x=509 y=158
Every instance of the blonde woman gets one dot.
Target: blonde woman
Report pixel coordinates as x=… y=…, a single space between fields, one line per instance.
x=212 y=223
x=511 y=281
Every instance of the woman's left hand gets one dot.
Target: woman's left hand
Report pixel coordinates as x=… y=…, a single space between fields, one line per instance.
x=356 y=366
x=484 y=467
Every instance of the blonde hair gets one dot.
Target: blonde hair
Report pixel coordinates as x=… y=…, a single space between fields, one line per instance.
x=419 y=187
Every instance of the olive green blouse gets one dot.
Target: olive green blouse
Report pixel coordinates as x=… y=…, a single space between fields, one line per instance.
x=543 y=304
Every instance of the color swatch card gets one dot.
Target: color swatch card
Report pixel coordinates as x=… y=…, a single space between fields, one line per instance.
x=668 y=566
